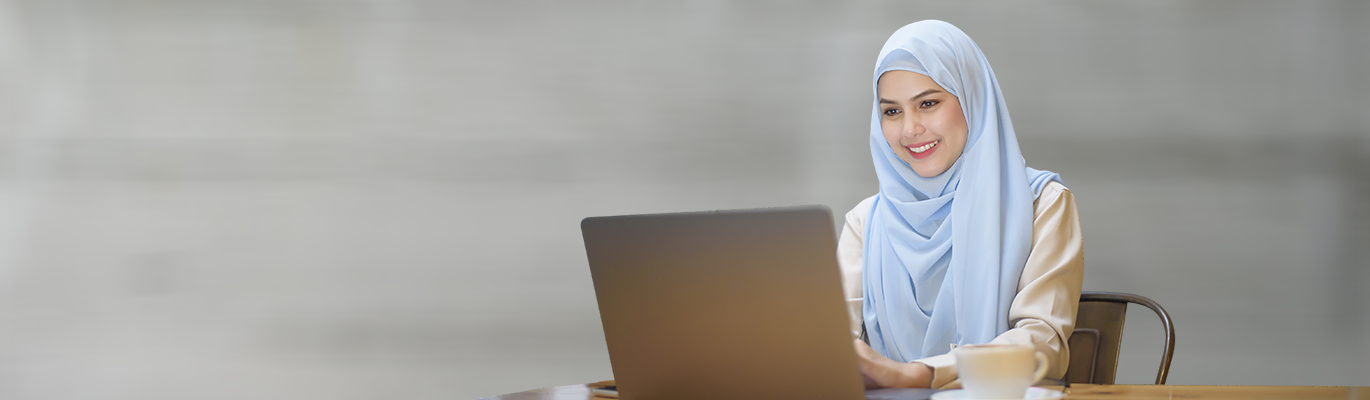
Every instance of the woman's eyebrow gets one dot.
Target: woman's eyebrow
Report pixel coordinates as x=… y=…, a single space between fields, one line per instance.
x=914 y=98
x=925 y=93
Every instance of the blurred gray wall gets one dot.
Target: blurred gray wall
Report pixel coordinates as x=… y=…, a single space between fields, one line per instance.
x=380 y=199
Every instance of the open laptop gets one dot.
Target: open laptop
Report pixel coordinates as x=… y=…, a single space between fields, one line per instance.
x=738 y=304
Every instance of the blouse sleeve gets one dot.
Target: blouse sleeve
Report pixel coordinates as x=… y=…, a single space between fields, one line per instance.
x=1043 y=312
x=849 y=257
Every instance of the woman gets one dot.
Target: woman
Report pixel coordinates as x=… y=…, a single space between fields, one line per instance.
x=963 y=244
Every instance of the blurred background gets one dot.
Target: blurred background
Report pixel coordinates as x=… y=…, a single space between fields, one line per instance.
x=381 y=199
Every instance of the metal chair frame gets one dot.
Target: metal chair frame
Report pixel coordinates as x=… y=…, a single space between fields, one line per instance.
x=1097 y=339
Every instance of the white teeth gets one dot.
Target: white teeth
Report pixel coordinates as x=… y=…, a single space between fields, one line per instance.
x=925 y=147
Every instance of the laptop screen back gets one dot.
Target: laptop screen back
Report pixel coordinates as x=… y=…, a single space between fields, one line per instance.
x=743 y=304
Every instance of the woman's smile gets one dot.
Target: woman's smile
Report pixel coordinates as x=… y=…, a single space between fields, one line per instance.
x=922 y=150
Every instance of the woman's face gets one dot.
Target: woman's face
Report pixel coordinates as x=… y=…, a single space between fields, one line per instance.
x=921 y=121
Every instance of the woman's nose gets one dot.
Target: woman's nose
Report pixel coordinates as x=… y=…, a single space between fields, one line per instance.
x=913 y=127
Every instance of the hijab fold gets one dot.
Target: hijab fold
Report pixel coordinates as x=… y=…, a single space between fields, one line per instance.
x=943 y=255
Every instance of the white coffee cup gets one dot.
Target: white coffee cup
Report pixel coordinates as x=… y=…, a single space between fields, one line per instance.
x=999 y=371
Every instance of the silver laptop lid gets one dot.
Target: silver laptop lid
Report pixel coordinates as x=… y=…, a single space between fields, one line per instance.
x=743 y=304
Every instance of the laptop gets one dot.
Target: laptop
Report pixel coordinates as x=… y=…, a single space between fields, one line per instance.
x=735 y=304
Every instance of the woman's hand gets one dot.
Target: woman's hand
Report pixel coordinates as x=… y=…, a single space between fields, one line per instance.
x=880 y=371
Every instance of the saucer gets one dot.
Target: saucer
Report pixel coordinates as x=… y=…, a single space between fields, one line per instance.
x=1033 y=393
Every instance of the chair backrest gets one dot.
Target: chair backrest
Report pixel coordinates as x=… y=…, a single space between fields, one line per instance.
x=1098 y=335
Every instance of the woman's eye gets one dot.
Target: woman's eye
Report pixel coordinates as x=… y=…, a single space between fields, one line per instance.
x=891 y=112
x=927 y=103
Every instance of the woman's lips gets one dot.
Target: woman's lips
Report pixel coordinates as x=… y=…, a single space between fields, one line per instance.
x=923 y=150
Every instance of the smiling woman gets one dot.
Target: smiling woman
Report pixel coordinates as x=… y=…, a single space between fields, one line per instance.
x=922 y=123
x=963 y=244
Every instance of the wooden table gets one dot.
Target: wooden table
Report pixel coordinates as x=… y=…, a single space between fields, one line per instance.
x=1076 y=391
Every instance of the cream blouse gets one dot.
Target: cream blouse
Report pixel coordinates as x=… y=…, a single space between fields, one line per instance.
x=1043 y=311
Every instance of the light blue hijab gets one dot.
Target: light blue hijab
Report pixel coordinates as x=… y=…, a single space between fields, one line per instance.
x=943 y=255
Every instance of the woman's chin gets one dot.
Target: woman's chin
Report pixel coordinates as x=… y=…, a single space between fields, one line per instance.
x=930 y=171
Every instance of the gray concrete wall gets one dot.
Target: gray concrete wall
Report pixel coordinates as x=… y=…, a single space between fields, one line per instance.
x=380 y=199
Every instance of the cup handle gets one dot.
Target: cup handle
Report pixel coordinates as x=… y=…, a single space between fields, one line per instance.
x=1042 y=364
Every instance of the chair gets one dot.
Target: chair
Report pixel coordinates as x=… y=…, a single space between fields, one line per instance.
x=1097 y=339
